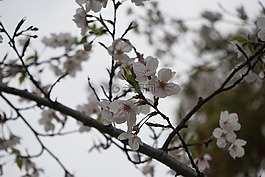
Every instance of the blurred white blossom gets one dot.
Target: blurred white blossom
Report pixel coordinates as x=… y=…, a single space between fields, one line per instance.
x=81 y=21
x=46 y=119
x=261 y=26
x=203 y=162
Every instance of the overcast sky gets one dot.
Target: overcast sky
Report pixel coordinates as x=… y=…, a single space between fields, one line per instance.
x=53 y=16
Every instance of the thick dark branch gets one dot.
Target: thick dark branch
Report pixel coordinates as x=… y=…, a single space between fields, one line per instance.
x=157 y=154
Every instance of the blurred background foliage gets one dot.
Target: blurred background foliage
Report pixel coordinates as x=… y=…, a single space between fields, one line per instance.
x=215 y=54
x=247 y=100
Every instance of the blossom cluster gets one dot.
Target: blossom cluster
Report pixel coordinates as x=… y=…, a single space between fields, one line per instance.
x=261 y=26
x=59 y=40
x=143 y=71
x=226 y=136
x=80 y=17
x=121 y=111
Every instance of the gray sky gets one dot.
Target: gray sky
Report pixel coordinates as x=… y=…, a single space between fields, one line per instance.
x=53 y=16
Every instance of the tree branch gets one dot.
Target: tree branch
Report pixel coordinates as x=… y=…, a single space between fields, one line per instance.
x=157 y=154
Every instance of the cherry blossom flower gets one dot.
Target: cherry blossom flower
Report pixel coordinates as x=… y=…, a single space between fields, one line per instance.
x=81 y=21
x=203 y=162
x=82 y=127
x=223 y=137
x=160 y=87
x=59 y=40
x=94 y=5
x=229 y=122
x=124 y=110
x=46 y=120
x=236 y=150
x=138 y=2
x=126 y=65
x=107 y=116
x=9 y=143
x=148 y=169
x=261 y=26
x=143 y=71
x=91 y=107
x=118 y=49
x=133 y=140
x=226 y=136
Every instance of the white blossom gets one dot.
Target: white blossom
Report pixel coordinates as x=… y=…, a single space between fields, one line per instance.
x=59 y=40
x=160 y=86
x=133 y=140
x=46 y=120
x=9 y=143
x=229 y=122
x=144 y=71
x=91 y=107
x=261 y=26
x=94 y=5
x=118 y=49
x=223 y=137
x=203 y=162
x=126 y=65
x=82 y=127
x=138 y=2
x=124 y=110
x=236 y=149
x=81 y=21
x=107 y=116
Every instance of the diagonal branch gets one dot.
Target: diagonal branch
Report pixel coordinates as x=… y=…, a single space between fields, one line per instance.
x=157 y=154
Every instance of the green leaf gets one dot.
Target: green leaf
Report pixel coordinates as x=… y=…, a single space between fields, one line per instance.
x=21 y=79
x=19 y=162
x=239 y=39
x=15 y=151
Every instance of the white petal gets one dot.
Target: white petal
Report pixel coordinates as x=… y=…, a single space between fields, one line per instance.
x=221 y=142
x=230 y=137
x=240 y=142
x=164 y=74
x=138 y=68
x=152 y=64
x=261 y=34
x=80 y=2
x=124 y=136
x=134 y=143
x=217 y=133
x=261 y=22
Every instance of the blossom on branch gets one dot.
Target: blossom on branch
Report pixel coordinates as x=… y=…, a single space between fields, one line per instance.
x=118 y=49
x=138 y=2
x=81 y=21
x=203 y=162
x=144 y=71
x=261 y=26
x=160 y=85
x=226 y=136
x=133 y=140
x=236 y=149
